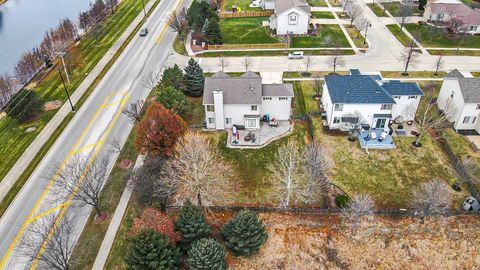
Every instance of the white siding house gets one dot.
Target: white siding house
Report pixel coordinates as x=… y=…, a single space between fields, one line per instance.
x=290 y=16
x=459 y=98
x=244 y=100
x=367 y=99
x=442 y=11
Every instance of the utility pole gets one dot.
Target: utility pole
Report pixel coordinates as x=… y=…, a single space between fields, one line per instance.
x=66 y=90
x=62 y=54
x=144 y=12
x=366 y=31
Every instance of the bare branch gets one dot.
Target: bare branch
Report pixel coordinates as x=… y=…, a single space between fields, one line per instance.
x=222 y=63
x=433 y=198
x=151 y=79
x=247 y=63
x=359 y=208
x=134 y=111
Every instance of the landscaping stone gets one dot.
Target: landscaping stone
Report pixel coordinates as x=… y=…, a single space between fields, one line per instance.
x=52 y=105
x=30 y=129
x=125 y=164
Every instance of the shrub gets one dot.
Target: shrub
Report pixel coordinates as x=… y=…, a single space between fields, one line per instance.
x=191 y=224
x=152 y=218
x=206 y=254
x=173 y=99
x=173 y=76
x=244 y=234
x=151 y=250
x=24 y=105
x=341 y=201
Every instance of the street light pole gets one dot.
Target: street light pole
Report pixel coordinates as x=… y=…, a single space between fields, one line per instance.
x=62 y=54
x=366 y=31
x=66 y=90
x=144 y=12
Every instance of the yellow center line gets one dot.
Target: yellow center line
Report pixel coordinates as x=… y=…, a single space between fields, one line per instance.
x=170 y=18
x=46 y=212
x=112 y=103
x=88 y=146
x=37 y=204
x=71 y=197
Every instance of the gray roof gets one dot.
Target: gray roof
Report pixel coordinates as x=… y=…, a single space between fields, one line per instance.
x=277 y=90
x=284 y=5
x=356 y=89
x=470 y=88
x=246 y=89
x=454 y=74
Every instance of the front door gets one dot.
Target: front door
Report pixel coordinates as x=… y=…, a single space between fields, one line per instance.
x=380 y=123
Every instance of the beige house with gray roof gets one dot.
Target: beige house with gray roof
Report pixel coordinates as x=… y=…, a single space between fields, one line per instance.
x=244 y=100
x=290 y=16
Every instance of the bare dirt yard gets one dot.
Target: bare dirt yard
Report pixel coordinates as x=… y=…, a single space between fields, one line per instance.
x=324 y=242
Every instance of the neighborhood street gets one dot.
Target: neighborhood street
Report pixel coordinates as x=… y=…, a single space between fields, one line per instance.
x=90 y=134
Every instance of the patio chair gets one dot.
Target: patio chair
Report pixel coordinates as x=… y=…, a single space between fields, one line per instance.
x=383 y=136
x=373 y=135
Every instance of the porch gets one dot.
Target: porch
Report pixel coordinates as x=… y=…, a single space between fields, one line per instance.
x=257 y=138
x=375 y=139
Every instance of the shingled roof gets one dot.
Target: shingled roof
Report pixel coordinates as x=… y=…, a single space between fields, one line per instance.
x=356 y=89
x=284 y=5
x=398 y=88
x=470 y=88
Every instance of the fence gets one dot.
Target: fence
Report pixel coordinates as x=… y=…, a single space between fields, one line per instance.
x=247 y=46
x=263 y=13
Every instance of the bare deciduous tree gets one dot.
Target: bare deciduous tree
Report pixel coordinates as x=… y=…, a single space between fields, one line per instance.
x=336 y=60
x=178 y=23
x=247 y=62
x=308 y=61
x=353 y=124
x=84 y=179
x=56 y=239
x=222 y=63
x=405 y=10
x=315 y=167
x=409 y=57
x=361 y=23
x=358 y=209
x=354 y=11
x=198 y=172
x=433 y=198
x=151 y=79
x=439 y=64
x=134 y=111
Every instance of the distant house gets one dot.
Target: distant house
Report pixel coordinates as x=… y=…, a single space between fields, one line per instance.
x=460 y=96
x=244 y=101
x=368 y=99
x=442 y=11
x=290 y=16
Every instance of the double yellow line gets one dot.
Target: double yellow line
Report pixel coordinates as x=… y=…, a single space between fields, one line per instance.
x=73 y=151
x=167 y=25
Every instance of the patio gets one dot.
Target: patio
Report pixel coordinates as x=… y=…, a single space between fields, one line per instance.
x=375 y=142
x=404 y=130
x=263 y=136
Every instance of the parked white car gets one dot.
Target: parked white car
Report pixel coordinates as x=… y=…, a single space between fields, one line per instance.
x=295 y=55
x=471 y=204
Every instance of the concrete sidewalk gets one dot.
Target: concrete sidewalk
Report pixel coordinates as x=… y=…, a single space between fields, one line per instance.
x=33 y=149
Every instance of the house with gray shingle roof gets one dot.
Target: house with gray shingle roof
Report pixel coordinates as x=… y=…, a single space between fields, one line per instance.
x=244 y=100
x=290 y=16
x=368 y=97
x=443 y=11
x=460 y=96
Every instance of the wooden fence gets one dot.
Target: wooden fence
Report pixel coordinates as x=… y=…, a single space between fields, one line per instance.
x=247 y=46
x=262 y=13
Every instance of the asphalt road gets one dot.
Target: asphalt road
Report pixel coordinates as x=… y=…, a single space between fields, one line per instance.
x=90 y=135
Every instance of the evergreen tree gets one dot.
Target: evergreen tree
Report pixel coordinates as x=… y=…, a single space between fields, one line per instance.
x=206 y=254
x=24 y=105
x=191 y=224
x=421 y=4
x=244 y=234
x=173 y=99
x=173 y=76
x=214 y=34
x=205 y=27
x=152 y=250
x=197 y=13
x=194 y=79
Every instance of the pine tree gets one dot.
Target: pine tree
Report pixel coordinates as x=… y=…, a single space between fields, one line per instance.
x=214 y=34
x=206 y=254
x=194 y=79
x=205 y=27
x=152 y=250
x=191 y=224
x=173 y=99
x=173 y=76
x=244 y=234
x=421 y=4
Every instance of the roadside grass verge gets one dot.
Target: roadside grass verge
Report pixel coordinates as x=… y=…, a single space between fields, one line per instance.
x=441 y=38
x=317 y=3
x=394 y=9
x=270 y=53
x=356 y=36
x=322 y=15
x=475 y=74
x=399 y=34
x=245 y=31
x=179 y=47
x=81 y=60
x=329 y=36
x=315 y=74
x=377 y=10
x=413 y=74
x=454 y=52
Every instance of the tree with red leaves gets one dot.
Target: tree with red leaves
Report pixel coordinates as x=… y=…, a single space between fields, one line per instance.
x=159 y=130
x=152 y=218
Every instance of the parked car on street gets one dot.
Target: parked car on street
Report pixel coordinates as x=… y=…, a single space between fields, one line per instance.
x=144 y=32
x=471 y=204
x=295 y=55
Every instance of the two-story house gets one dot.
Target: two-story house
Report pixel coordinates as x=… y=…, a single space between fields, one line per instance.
x=290 y=16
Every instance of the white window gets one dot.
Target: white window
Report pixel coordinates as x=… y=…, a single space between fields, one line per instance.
x=211 y=120
x=228 y=120
x=292 y=19
x=440 y=16
x=251 y=123
x=336 y=120
x=412 y=97
x=210 y=108
x=478 y=107
x=397 y=97
x=473 y=28
x=267 y=98
x=469 y=119
x=253 y=107
x=283 y=98
x=386 y=107
x=338 y=107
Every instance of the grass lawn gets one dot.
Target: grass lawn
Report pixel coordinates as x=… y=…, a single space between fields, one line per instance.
x=305 y=97
x=413 y=74
x=270 y=53
x=196 y=115
x=322 y=15
x=393 y=8
x=329 y=36
x=81 y=59
x=472 y=3
x=475 y=74
x=441 y=39
x=399 y=34
x=356 y=36
x=243 y=4
x=335 y=3
x=454 y=52
x=317 y=3
x=245 y=31
x=179 y=47
x=377 y=10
